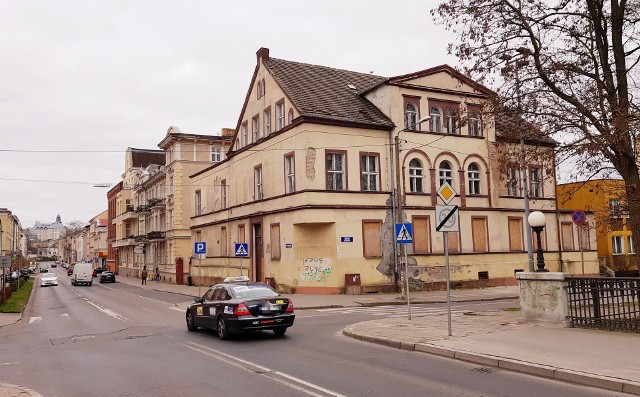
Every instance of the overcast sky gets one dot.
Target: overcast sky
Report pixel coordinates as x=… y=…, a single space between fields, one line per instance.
x=84 y=80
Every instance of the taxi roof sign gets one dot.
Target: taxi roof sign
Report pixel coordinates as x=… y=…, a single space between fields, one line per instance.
x=446 y=192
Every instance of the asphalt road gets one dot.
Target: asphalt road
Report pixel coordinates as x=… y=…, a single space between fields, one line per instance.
x=118 y=340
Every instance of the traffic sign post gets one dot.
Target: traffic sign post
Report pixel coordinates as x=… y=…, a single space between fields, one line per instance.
x=242 y=250
x=447 y=221
x=200 y=249
x=404 y=235
x=580 y=218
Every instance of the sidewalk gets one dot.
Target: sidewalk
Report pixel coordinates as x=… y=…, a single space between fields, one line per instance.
x=601 y=359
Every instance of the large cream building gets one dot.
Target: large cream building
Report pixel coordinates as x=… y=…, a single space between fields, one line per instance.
x=310 y=179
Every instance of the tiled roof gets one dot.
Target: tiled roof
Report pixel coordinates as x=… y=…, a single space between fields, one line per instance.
x=508 y=123
x=323 y=92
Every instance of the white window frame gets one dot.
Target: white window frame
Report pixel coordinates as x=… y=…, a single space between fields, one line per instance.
x=245 y=134
x=445 y=174
x=416 y=176
x=475 y=127
x=452 y=122
x=369 y=172
x=255 y=125
x=267 y=122
x=617 y=245
x=223 y=194
x=630 y=249
x=258 y=194
x=280 y=115
x=198 y=202
x=513 y=182
x=216 y=153
x=535 y=182
x=333 y=172
x=290 y=173
x=435 y=122
x=410 y=117
x=475 y=181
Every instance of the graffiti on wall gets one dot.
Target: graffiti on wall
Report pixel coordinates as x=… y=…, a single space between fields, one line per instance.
x=316 y=269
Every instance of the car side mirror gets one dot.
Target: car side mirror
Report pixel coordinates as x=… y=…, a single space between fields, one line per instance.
x=198 y=299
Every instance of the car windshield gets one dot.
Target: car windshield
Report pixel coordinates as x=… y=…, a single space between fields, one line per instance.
x=252 y=291
x=50 y=275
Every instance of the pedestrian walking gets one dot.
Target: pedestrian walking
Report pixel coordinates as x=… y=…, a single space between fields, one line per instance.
x=144 y=276
x=157 y=275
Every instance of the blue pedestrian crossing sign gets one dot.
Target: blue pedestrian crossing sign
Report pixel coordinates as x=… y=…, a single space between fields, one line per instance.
x=200 y=247
x=242 y=249
x=404 y=233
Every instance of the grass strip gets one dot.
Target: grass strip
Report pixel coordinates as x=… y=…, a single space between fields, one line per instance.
x=18 y=300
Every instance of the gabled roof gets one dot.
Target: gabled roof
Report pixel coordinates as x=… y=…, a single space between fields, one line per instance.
x=324 y=92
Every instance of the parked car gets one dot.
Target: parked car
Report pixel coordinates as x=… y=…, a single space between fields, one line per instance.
x=48 y=279
x=238 y=305
x=98 y=270
x=69 y=270
x=107 y=277
x=54 y=265
x=44 y=269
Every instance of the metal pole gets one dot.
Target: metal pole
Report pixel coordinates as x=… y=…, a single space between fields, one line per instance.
x=394 y=192
x=525 y=192
x=581 y=249
x=241 y=266
x=398 y=194
x=406 y=276
x=446 y=261
x=199 y=270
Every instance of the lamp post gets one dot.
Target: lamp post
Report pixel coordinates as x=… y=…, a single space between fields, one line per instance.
x=537 y=221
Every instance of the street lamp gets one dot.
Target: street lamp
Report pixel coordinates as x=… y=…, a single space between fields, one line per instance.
x=537 y=221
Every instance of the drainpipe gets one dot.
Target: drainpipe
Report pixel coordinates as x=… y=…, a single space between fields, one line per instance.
x=394 y=193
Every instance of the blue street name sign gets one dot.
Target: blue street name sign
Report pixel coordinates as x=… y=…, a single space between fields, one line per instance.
x=346 y=239
x=242 y=249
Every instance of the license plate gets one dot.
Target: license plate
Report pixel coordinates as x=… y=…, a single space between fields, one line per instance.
x=279 y=302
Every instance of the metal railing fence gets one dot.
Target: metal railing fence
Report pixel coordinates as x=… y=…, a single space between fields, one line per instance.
x=604 y=303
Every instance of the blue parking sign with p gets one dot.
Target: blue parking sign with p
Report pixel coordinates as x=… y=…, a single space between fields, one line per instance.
x=200 y=248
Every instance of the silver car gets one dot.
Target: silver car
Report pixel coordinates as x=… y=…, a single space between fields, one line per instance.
x=48 y=279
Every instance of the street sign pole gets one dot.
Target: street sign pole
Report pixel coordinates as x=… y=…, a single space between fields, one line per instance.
x=406 y=276
x=199 y=273
x=580 y=230
x=446 y=264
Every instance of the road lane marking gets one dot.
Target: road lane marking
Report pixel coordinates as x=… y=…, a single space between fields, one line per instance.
x=108 y=312
x=65 y=315
x=149 y=310
x=281 y=377
x=35 y=320
x=176 y=308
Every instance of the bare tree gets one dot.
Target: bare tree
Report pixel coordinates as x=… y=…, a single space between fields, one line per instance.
x=75 y=227
x=574 y=75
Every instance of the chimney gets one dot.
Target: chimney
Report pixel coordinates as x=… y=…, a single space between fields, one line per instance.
x=263 y=53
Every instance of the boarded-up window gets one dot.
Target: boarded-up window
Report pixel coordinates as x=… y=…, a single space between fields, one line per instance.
x=421 y=235
x=584 y=237
x=515 y=234
x=543 y=239
x=241 y=234
x=372 y=239
x=275 y=241
x=454 y=241
x=567 y=236
x=479 y=230
x=223 y=242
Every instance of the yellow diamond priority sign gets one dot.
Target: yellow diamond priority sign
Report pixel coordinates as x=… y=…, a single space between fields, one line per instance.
x=446 y=193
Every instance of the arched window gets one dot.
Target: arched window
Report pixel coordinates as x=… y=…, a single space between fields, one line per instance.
x=452 y=122
x=435 y=123
x=473 y=176
x=410 y=117
x=416 y=176
x=474 y=124
x=446 y=173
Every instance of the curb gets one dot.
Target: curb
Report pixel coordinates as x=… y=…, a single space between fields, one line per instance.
x=545 y=371
x=17 y=391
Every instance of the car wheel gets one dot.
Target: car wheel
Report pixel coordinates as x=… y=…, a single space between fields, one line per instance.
x=222 y=329
x=279 y=331
x=90 y=283
x=190 y=326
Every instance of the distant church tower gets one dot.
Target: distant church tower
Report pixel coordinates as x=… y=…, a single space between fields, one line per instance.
x=58 y=219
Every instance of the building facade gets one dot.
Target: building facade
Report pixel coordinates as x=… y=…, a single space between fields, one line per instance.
x=325 y=162
x=606 y=199
x=11 y=237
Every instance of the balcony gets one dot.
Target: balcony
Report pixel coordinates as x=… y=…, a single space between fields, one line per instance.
x=155 y=236
x=143 y=210
x=129 y=213
x=130 y=240
x=142 y=238
x=155 y=203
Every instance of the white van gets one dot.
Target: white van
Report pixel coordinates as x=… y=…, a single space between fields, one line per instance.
x=82 y=274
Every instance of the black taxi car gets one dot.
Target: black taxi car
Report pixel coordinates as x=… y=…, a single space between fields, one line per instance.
x=238 y=305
